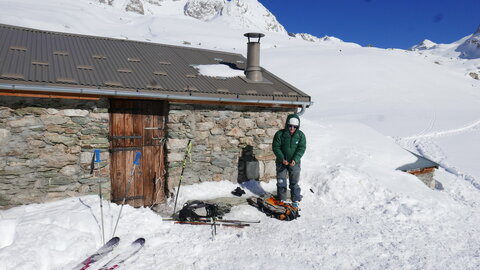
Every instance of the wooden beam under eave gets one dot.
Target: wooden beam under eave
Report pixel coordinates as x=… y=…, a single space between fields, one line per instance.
x=422 y=171
x=46 y=95
x=20 y=93
x=233 y=103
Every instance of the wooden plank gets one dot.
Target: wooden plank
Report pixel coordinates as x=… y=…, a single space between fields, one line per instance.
x=161 y=170
x=137 y=116
x=148 y=123
x=422 y=171
x=122 y=169
x=119 y=175
x=160 y=175
x=123 y=165
x=159 y=112
x=233 y=103
x=147 y=179
x=158 y=122
x=148 y=185
x=129 y=183
x=114 y=175
x=46 y=95
x=129 y=123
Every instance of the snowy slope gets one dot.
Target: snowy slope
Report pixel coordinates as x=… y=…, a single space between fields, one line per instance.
x=360 y=213
x=463 y=54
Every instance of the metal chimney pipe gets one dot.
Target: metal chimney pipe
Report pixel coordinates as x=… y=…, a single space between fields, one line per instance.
x=253 y=70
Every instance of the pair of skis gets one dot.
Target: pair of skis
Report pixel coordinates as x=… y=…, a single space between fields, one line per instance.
x=106 y=249
x=215 y=222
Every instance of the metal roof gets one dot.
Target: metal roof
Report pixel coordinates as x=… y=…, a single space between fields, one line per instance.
x=30 y=58
x=420 y=163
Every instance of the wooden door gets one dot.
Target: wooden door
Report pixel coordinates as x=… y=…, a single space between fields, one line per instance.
x=137 y=126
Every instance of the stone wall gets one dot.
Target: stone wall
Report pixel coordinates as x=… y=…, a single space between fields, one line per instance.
x=219 y=134
x=46 y=146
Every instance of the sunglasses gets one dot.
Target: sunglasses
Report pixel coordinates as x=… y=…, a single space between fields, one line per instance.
x=292 y=126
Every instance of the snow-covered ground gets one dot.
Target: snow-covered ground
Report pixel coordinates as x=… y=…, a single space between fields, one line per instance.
x=358 y=211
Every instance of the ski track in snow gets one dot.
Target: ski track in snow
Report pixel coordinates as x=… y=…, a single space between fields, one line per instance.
x=430 y=150
x=472 y=126
x=423 y=144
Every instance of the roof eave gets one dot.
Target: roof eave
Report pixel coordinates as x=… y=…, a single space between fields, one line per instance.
x=103 y=92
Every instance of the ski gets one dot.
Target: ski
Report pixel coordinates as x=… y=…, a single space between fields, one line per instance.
x=99 y=254
x=235 y=225
x=134 y=247
x=234 y=221
x=220 y=220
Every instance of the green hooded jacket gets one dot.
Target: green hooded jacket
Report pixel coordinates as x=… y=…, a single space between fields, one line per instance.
x=289 y=147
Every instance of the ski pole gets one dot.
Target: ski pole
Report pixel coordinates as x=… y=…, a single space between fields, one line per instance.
x=132 y=175
x=96 y=159
x=188 y=152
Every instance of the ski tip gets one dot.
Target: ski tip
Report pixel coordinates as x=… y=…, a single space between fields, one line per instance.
x=140 y=241
x=115 y=239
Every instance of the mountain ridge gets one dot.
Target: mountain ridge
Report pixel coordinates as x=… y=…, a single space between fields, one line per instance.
x=467 y=47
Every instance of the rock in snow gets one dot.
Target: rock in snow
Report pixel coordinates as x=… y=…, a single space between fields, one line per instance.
x=204 y=9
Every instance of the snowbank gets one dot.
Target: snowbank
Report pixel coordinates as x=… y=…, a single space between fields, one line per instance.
x=357 y=212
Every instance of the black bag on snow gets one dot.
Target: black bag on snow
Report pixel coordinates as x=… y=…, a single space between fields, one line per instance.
x=197 y=209
x=248 y=166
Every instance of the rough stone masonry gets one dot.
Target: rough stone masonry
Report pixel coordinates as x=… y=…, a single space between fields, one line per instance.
x=219 y=134
x=46 y=145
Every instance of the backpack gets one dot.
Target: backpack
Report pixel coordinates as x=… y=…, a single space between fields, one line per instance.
x=274 y=208
x=197 y=209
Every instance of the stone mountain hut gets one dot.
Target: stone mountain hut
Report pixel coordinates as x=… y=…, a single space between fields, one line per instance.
x=64 y=95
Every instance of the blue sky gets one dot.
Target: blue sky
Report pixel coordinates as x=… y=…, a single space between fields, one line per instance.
x=381 y=23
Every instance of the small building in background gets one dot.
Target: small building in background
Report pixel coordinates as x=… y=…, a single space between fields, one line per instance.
x=423 y=169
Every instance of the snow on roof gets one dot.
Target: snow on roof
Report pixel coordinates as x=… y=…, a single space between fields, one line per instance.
x=218 y=70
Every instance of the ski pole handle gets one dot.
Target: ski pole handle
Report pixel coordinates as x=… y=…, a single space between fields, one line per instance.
x=137 y=158
x=97 y=156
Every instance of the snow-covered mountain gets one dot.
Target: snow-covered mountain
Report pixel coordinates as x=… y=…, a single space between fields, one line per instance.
x=470 y=49
x=236 y=13
x=465 y=48
x=312 y=38
x=424 y=45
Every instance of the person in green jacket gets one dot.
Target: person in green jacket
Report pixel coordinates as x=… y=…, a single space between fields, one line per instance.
x=289 y=145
